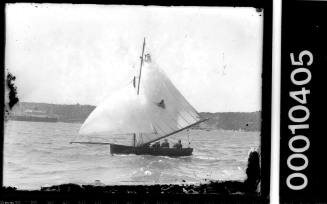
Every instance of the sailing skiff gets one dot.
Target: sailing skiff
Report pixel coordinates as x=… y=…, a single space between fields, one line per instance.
x=146 y=111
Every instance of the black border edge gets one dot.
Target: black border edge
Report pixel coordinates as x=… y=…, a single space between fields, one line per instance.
x=2 y=108
x=304 y=27
x=266 y=111
x=266 y=99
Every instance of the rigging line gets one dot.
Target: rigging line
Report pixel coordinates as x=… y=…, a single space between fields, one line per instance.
x=171 y=118
x=165 y=124
x=156 y=124
x=142 y=137
x=100 y=143
x=158 y=93
x=148 y=115
x=158 y=119
x=191 y=111
x=182 y=117
x=146 y=138
x=176 y=91
x=179 y=104
x=195 y=112
x=169 y=83
x=157 y=127
x=188 y=136
x=178 y=114
x=162 y=86
x=168 y=125
x=176 y=131
x=127 y=134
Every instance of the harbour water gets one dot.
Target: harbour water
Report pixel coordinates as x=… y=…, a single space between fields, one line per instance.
x=40 y=154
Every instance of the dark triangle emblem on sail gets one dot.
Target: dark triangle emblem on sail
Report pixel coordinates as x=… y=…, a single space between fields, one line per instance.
x=161 y=104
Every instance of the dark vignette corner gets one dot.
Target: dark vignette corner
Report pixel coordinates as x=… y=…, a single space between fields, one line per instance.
x=2 y=108
x=265 y=125
x=266 y=99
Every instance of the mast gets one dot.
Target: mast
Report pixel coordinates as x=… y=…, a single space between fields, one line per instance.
x=138 y=86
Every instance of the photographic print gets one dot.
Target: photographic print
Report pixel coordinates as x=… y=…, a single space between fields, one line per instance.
x=117 y=95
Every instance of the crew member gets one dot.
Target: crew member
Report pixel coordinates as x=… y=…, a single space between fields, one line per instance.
x=156 y=145
x=146 y=145
x=178 y=145
x=165 y=144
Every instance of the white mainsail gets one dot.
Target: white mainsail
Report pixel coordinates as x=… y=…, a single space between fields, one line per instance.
x=158 y=110
x=121 y=113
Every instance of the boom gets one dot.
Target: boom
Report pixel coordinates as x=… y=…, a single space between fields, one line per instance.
x=98 y=143
x=176 y=131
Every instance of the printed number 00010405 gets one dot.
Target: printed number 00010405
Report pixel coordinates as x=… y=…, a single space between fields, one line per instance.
x=299 y=122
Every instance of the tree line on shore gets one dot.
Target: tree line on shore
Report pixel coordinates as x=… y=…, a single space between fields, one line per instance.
x=246 y=121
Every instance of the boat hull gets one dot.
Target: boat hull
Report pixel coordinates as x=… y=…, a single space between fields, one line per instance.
x=171 y=152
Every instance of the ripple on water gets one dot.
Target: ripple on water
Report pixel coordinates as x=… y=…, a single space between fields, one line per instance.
x=39 y=154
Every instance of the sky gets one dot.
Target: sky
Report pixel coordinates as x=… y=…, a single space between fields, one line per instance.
x=68 y=54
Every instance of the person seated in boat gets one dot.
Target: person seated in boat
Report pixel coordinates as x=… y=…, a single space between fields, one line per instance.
x=156 y=145
x=165 y=144
x=178 y=145
x=146 y=146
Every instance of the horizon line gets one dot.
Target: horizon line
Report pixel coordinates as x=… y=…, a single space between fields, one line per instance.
x=48 y=103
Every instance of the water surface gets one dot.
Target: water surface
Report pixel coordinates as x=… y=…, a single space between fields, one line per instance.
x=40 y=154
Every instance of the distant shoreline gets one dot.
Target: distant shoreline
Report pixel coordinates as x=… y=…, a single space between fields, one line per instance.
x=76 y=113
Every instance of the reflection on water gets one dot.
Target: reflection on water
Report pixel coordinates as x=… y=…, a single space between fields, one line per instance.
x=39 y=154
